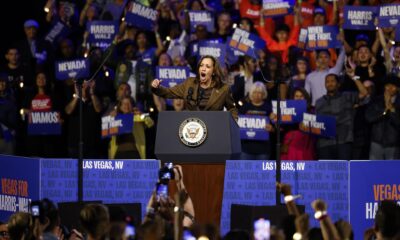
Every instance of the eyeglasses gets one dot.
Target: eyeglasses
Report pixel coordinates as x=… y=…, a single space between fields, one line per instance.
x=4 y=234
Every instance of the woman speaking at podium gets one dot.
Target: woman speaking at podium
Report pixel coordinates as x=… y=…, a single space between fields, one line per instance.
x=205 y=92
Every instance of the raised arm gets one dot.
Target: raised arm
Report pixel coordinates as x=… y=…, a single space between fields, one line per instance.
x=177 y=91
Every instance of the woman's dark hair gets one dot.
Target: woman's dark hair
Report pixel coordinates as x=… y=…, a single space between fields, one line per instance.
x=95 y=220
x=304 y=59
x=217 y=76
x=248 y=20
x=304 y=92
x=145 y=34
x=190 y=4
x=50 y=211
x=47 y=87
x=387 y=219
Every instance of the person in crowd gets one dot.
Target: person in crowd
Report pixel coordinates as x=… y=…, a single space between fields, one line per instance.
x=383 y=114
x=131 y=145
x=296 y=144
x=92 y=108
x=145 y=53
x=90 y=12
x=224 y=26
x=49 y=220
x=8 y=118
x=283 y=38
x=22 y=226
x=95 y=221
x=205 y=92
x=315 y=81
x=387 y=221
x=273 y=74
x=298 y=77
x=257 y=105
x=243 y=82
x=41 y=99
x=341 y=106
x=4 y=235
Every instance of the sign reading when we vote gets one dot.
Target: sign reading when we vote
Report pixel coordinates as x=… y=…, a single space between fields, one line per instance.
x=389 y=15
x=252 y=127
x=273 y=8
x=120 y=124
x=359 y=17
x=102 y=33
x=322 y=37
x=324 y=126
x=291 y=110
x=44 y=123
x=172 y=76
x=141 y=16
x=246 y=42
x=204 y=18
x=78 y=68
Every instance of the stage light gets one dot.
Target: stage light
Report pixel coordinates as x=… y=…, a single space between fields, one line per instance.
x=240 y=103
x=297 y=236
x=107 y=73
x=123 y=19
x=21 y=111
x=85 y=55
x=234 y=25
x=168 y=38
x=392 y=42
x=21 y=84
x=46 y=9
x=151 y=109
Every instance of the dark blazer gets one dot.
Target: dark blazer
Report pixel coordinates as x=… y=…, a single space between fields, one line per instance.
x=188 y=90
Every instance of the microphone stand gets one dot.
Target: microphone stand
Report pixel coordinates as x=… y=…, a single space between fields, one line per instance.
x=278 y=141
x=79 y=83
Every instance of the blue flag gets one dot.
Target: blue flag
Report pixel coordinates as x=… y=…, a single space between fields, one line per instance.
x=324 y=126
x=172 y=76
x=274 y=8
x=389 y=15
x=217 y=50
x=322 y=37
x=44 y=123
x=291 y=110
x=141 y=16
x=204 y=18
x=359 y=17
x=246 y=42
x=120 y=124
x=252 y=127
x=102 y=33
x=78 y=68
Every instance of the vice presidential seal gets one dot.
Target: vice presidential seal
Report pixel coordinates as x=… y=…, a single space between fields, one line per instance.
x=192 y=132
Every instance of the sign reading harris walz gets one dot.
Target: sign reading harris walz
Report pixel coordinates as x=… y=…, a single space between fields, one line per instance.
x=389 y=15
x=217 y=50
x=359 y=17
x=252 y=127
x=204 y=18
x=323 y=126
x=273 y=8
x=102 y=33
x=141 y=16
x=120 y=124
x=78 y=68
x=44 y=123
x=291 y=110
x=322 y=37
x=172 y=76
x=246 y=42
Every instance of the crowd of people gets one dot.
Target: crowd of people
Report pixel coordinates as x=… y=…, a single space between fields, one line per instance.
x=168 y=218
x=357 y=83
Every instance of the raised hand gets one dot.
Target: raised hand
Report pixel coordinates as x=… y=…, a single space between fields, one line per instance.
x=156 y=83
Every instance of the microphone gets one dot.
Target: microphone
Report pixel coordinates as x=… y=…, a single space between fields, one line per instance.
x=201 y=95
x=189 y=95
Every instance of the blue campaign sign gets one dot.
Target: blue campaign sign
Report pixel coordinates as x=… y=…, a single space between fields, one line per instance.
x=253 y=183
x=274 y=8
x=57 y=32
x=319 y=125
x=172 y=76
x=78 y=68
x=44 y=123
x=141 y=16
x=194 y=47
x=370 y=183
x=102 y=33
x=291 y=110
x=359 y=17
x=19 y=184
x=252 y=127
x=217 y=50
x=59 y=179
x=246 y=42
x=389 y=15
x=120 y=181
x=322 y=37
x=120 y=124
x=204 y=18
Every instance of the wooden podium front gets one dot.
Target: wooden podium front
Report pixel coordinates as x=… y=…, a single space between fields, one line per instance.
x=205 y=185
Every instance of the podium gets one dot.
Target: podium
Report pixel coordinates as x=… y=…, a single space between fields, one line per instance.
x=203 y=165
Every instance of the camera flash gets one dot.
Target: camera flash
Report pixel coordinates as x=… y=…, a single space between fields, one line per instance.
x=168 y=38
x=234 y=25
x=21 y=111
x=106 y=73
x=123 y=19
x=21 y=85
x=151 y=109
x=46 y=9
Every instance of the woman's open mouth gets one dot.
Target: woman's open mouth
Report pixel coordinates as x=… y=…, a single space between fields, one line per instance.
x=203 y=75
